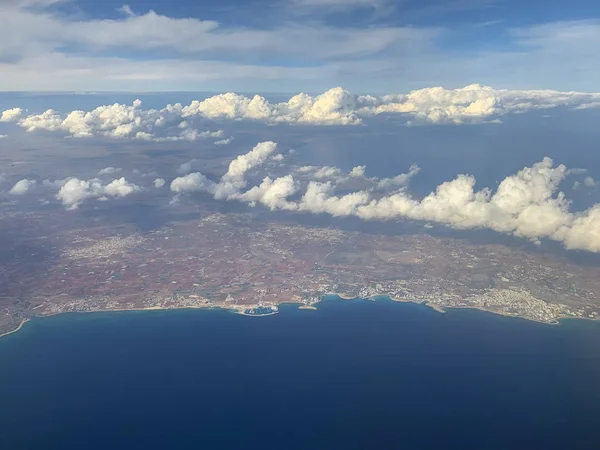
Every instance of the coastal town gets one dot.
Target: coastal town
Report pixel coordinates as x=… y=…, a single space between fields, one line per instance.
x=250 y=266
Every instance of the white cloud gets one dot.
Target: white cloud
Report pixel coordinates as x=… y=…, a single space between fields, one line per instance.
x=192 y=182
x=154 y=31
x=471 y=104
x=357 y=174
x=189 y=135
x=523 y=204
x=326 y=172
x=271 y=193
x=11 y=115
x=120 y=188
x=583 y=233
x=399 y=180
x=323 y=173
x=45 y=49
x=187 y=167
x=526 y=204
x=224 y=141
x=319 y=198
x=109 y=170
x=257 y=156
x=158 y=183
x=74 y=191
x=233 y=181
x=66 y=72
x=22 y=187
x=358 y=171
x=475 y=103
x=590 y=182
x=2 y=136
x=334 y=107
x=126 y=9
x=39 y=38
x=119 y=121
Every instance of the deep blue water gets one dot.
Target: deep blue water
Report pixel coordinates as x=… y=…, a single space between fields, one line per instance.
x=352 y=375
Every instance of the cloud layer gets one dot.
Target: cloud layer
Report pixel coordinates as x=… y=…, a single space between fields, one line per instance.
x=471 y=104
x=527 y=204
x=292 y=43
x=115 y=121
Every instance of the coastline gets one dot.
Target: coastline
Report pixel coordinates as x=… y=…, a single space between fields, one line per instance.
x=241 y=313
x=304 y=306
x=23 y=322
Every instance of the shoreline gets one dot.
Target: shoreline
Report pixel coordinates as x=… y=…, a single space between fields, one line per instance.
x=304 y=306
x=23 y=322
x=443 y=310
x=242 y=313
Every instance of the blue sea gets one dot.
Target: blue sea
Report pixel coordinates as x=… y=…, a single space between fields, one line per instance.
x=351 y=375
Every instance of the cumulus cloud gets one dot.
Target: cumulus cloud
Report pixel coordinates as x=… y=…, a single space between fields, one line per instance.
x=187 y=167
x=189 y=135
x=158 y=183
x=523 y=203
x=120 y=188
x=590 y=182
x=22 y=187
x=326 y=172
x=271 y=193
x=319 y=198
x=11 y=115
x=437 y=105
x=119 y=121
x=224 y=141
x=257 y=156
x=233 y=181
x=475 y=103
x=583 y=233
x=109 y=170
x=398 y=181
x=74 y=191
x=192 y=182
x=527 y=204
x=2 y=136
x=334 y=107
x=358 y=171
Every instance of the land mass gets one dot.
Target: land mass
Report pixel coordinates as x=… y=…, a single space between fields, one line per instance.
x=236 y=262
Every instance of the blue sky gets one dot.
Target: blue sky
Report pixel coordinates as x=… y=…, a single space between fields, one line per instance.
x=367 y=46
